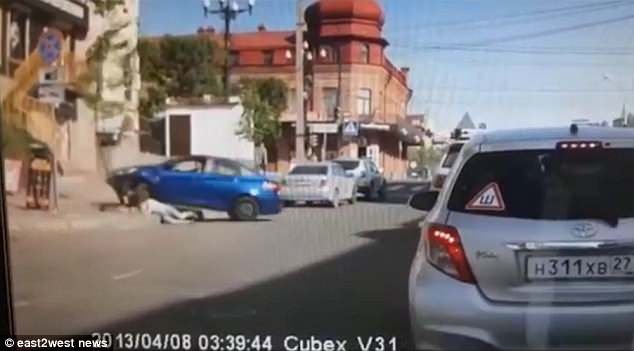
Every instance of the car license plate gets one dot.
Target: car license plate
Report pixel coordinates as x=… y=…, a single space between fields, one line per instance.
x=580 y=267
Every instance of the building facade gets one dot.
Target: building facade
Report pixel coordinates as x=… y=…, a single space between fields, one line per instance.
x=66 y=123
x=345 y=66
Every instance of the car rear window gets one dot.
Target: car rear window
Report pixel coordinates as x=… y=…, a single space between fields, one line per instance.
x=452 y=155
x=348 y=165
x=310 y=170
x=549 y=184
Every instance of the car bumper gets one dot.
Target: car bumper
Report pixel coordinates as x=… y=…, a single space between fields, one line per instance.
x=295 y=194
x=270 y=205
x=448 y=314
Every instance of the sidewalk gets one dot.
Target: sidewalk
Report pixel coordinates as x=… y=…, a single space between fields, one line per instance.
x=80 y=197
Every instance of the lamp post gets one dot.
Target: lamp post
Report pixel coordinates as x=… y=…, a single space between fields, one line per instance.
x=620 y=86
x=228 y=11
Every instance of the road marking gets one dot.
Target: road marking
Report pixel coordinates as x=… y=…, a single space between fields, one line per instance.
x=21 y=303
x=127 y=275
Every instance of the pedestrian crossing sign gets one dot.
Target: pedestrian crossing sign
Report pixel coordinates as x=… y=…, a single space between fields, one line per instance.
x=351 y=128
x=488 y=199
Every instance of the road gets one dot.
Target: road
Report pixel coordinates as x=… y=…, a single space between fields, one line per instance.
x=331 y=273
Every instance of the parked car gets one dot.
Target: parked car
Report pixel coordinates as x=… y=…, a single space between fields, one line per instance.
x=318 y=182
x=369 y=179
x=446 y=164
x=201 y=182
x=416 y=171
x=534 y=230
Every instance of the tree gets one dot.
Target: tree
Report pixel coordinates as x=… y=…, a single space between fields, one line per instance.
x=263 y=101
x=176 y=67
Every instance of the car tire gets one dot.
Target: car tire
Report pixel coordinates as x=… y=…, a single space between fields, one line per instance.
x=353 y=199
x=335 y=199
x=245 y=209
x=382 y=193
x=141 y=194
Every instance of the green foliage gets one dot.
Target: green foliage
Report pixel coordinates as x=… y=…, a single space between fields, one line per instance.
x=428 y=156
x=188 y=67
x=263 y=100
x=15 y=142
x=103 y=7
x=182 y=67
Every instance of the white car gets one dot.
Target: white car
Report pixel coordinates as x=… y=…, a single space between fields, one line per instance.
x=530 y=245
x=318 y=182
x=369 y=179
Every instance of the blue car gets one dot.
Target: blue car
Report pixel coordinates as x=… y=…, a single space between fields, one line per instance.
x=200 y=182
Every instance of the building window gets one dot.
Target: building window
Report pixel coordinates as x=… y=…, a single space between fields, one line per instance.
x=17 y=36
x=268 y=57
x=291 y=100
x=326 y=53
x=364 y=102
x=330 y=101
x=234 y=58
x=365 y=53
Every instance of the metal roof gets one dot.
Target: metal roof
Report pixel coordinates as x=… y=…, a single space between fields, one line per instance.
x=560 y=133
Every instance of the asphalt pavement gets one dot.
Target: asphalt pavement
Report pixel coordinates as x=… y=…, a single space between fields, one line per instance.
x=311 y=271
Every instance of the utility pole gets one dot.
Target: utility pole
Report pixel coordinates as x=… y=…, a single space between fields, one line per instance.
x=228 y=12
x=300 y=125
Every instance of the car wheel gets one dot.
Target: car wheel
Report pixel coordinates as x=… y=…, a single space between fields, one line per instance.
x=335 y=199
x=382 y=193
x=245 y=209
x=353 y=199
x=141 y=194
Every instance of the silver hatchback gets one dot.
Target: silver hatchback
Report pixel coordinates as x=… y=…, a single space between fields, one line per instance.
x=530 y=245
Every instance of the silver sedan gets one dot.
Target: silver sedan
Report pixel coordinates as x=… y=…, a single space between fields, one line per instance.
x=318 y=182
x=530 y=244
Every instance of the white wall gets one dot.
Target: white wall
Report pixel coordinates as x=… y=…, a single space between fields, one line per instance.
x=214 y=131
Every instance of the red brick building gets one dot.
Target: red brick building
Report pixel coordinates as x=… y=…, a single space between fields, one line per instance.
x=346 y=63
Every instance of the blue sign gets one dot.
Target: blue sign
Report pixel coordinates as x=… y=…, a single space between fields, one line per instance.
x=50 y=46
x=350 y=128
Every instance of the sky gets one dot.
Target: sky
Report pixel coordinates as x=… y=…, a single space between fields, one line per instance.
x=510 y=64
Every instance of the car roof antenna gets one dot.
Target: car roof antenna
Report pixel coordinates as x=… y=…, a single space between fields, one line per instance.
x=574 y=129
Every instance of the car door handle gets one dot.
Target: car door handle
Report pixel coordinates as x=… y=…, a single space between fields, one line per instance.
x=569 y=245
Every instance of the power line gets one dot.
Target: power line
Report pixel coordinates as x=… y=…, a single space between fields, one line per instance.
x=521 y=50
x=552 y=31
x=538 y=14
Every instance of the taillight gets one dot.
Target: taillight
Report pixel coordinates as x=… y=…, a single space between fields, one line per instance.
x=271 y=186
x=439 y=181
x=445 y=252
x=579 y=145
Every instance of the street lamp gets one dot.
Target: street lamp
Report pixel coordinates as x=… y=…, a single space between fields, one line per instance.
x=620 y=86
x=228 y=12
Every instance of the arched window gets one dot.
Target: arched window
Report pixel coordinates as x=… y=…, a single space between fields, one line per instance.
x=365 y=53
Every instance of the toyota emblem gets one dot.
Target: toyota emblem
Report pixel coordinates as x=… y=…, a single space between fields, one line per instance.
x=584 y=230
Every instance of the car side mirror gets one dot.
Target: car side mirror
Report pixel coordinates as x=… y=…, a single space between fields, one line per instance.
x=424 y=200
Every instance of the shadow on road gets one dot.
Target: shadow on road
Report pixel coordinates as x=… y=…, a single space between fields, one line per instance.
x=400 y=192
x=360 y=293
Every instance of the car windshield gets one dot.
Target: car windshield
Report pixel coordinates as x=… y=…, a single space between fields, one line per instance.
x=550 y=184
x=348 y=165
x=309 y=170
x=452 y=155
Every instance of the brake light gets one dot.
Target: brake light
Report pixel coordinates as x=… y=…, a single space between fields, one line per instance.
x=271 y=186
x=579 y=145
x=439 y=181
x=445 y=252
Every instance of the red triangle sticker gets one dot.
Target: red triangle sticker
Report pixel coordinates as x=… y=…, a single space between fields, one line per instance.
x=488 y=199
